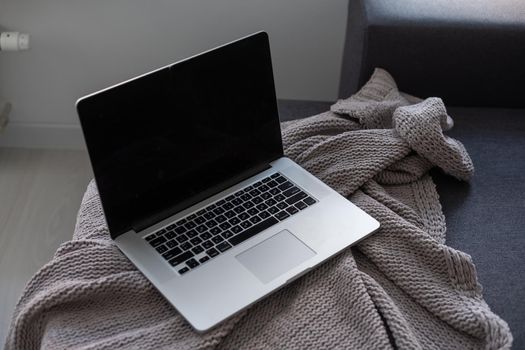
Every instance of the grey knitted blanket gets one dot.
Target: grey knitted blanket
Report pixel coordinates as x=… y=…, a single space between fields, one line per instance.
x=400 y=288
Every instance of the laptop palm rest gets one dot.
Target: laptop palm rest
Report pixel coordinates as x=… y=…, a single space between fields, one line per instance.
x=275 y=256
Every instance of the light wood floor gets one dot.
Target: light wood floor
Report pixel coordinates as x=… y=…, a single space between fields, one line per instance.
x=40 y=193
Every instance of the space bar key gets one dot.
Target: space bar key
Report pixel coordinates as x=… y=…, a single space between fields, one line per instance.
x=252 y=231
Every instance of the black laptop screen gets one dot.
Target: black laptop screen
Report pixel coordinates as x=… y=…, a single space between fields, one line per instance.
x=168 y=139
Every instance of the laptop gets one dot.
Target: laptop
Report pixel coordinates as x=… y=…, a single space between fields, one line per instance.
x=196 y=191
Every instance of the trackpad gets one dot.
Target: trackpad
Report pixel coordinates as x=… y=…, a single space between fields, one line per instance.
x=275 y=256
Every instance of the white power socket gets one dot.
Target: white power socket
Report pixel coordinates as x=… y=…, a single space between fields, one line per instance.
x=5 y=108
x=14 y=41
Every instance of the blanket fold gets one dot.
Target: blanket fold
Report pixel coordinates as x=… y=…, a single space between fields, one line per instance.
x=400 y=288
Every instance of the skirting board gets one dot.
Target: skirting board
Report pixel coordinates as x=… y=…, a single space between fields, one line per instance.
x=49 y=136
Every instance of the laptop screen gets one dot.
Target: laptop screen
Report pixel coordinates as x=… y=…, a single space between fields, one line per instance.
x=171 y=138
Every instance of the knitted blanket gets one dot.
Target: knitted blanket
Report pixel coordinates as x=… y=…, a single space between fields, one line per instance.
x=400 y=288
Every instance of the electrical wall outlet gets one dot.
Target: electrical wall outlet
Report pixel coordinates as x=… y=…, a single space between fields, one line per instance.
x=5 y=108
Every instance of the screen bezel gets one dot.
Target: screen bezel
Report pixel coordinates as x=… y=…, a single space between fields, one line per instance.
x=84 y=102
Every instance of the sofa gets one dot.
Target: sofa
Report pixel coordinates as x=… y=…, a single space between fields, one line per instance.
x=472 y=55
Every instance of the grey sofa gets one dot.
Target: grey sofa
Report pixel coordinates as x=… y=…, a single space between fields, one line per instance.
x=472 y=54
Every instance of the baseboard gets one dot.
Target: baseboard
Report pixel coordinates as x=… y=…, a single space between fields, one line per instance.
x=51 y=136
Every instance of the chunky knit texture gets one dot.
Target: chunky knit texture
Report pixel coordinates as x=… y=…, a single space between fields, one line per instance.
x=400 y=288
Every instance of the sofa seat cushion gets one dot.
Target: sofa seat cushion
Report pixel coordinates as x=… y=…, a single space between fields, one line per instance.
x=486 y=217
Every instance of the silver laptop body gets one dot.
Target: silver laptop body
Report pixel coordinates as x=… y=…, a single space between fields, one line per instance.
x=214 y=273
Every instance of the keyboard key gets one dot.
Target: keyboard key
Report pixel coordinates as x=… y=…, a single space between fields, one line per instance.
x=171 y=244
x=234 y=221
x=282 y=215
x=208 y=244
x=197 y=250
x=211 y=223
x=220 y=218
x=263 y=188
x=191 y=233
x=228 y=234
x=171 y=227
x=266 y=179
x=291 y=191
x=181 y=222
x=209 y=215
x=236 y=201
x=263 y=225
x=192 y=263
x=273 y=176
x=215 y=230
x=201 y=212
x=161 y=232
x=199 y=220
x=255 y=192
x=225 y=225
x=309 y=200
x=196 y=241
x=272 y=184
x=218 y=210
x=221 y=202
x=296 y=197
x=301 y=205
x=264 y=214
x=285 y=185
x=245 y=224
x=235 y=229
x=266 y=195
x=184 y=270
x=205 y=236
x=182 y=238
x=217 y=239
x=150 y=237
x=292 y=210
x=170 y=234
x=161 y=248
x=239 y=209
x=230 y=198
x=239 y=193
x=273 y=210
x=180 y=229
x=262 y=206
x=158 y=241
x=255 y=219
x=179 y=259
x=246 y=197
x=211 y=207
x=212 y=252
x=172 y=253
x=224 y=246
x=230 y=214
x=253 y=211
x=282 y=205
x=243 y=216
x=204 y=259
x=257 y=184
x=274 y=191
x=247 y=189
x=191 y=217
x=257 y=200
x=270 y=202
x=280 y=179
x=248 y=205
x=190 y=225
x=279 y=198
x=185 y=246
x=201 y=229
x=227 y=206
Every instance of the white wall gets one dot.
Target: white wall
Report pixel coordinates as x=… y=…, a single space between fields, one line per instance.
x=79 y=46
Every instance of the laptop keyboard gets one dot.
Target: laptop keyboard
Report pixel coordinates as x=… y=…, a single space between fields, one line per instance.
x=201 y=236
